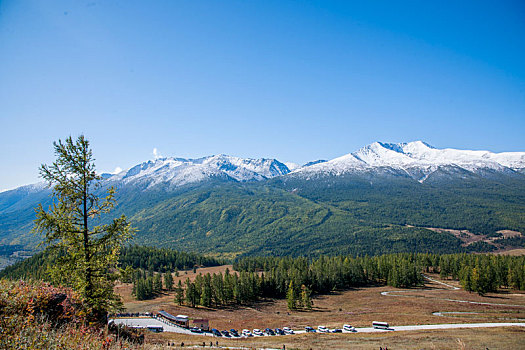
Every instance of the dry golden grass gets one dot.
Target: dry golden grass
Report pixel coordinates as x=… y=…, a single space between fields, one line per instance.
x=491 y=338
x=359 y=307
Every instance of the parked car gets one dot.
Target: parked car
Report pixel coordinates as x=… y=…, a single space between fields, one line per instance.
x=288 y=330
x=279 y=331
x=155 y=328
x=216 y=332
x=247 y=333
x=269 y=331
x=258 y=332
x=234 y=332
x=337 y=330
x=195 y=330
x=348 y=328
x=309 y=329
x=323 y=329
x=226 y=333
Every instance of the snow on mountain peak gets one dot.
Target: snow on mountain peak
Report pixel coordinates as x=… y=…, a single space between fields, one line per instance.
x=381 y=154
x=292 y=166
x=417 y=158
x=181 y=171
x=419 y=153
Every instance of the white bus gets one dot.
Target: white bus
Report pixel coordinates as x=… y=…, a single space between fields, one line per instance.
x=156 y=329
x=380 y=325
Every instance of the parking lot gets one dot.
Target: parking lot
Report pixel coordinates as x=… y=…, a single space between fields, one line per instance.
x=144 y=322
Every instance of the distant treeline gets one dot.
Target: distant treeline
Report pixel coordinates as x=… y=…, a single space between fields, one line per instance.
x=483 y=273
x=147 y=284
x=33 y=268
x=163 y=259
x=476 y=272
x=325 y=274
x=134 y=257
x=297 y=278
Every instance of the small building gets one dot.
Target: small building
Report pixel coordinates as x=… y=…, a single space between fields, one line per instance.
x=202 y=323
x=182 y=320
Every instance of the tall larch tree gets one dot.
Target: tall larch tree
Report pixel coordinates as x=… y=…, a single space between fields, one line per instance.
x=179 y=296
x=291 y=296
x=87 y=250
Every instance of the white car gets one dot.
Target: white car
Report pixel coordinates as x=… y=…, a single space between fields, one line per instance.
x=323 y=329
x=348 y=328
x=246 y=333
x=288 y=330
x=258 y=332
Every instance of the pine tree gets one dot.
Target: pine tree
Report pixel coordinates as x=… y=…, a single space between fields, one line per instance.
x=136 y=292
x=126 y=275
x=465 y=278
x=206 y=294
x=87 y=253
x=157 y=283
x=516 y=275
x=475 y=280
x=236 y=291
x=305 y=298
x=179 y=296
x=168 y=281
x=140 y=291
x=191 y=293
x=218 y=289
x=150 y=287
x=291 y=296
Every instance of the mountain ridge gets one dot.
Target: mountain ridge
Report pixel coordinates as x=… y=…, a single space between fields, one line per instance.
x=360 y=203
x=418 y=159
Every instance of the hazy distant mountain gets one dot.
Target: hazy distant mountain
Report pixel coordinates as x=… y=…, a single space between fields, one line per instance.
x=363 y=202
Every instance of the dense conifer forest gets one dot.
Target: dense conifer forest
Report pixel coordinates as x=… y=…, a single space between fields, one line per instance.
x=151 y=271
x=131 y=258
x=331 y=215
x=298 y=278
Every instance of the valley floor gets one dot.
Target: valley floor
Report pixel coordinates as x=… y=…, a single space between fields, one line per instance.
x=435 y=303
x=489 y=338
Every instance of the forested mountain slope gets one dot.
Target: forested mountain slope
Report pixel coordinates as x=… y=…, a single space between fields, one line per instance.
x=255 y=219
x=377 y=200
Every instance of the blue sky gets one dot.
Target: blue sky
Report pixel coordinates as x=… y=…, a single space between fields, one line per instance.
x=292 y=80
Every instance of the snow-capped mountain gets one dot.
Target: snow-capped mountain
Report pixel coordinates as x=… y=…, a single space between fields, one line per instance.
x=417 y=159
x=176 y=172
x=394 y=181
x=11 y=200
